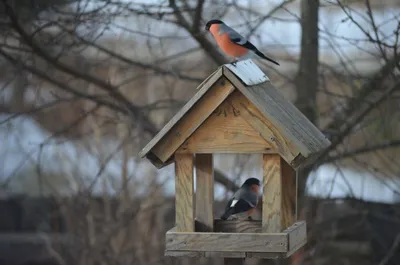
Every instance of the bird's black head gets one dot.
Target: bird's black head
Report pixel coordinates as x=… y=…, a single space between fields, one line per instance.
x=211 y=22
x=251 y=181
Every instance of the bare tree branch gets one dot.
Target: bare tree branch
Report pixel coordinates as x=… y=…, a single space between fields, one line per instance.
x=207 y=46
x=198 y=15
x=113 y=91
x=353 y=120
x=363 y=150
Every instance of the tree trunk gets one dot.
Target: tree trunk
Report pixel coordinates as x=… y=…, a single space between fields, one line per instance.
x=307 y=75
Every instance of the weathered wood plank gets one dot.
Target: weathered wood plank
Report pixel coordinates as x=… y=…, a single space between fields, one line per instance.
x=297 y=235
x=192 y=119
x=203 y=88
x=205 y=254
x=236 y=226
x=225 y=131
x=261 y=255
x=266 y=129
x=289 y=122
x=289 y=194
x=222 y=254
x=272 y=193
x=157 y=162
x=186 y=254
x=184 y=193
x=248 y=72
x=205 y=190
x=229 y=242
x=208 y=81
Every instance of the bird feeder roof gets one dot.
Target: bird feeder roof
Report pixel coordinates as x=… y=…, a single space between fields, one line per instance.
x=300 y=141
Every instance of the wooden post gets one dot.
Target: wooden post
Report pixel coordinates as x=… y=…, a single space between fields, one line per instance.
x=289 y=194
x=184 y=193
x=279 y=194
x=272 y=193
x=205 y=190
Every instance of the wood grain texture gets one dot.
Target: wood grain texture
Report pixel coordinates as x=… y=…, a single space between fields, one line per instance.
x=289 y=194
x=205 y=254
x=222 y=254
x=272 y=193
x=211 y=78
x=225 y=131
x=193 y=119
x=285 y=117
x=229 y=242
x=260 y=255
x=203 y=88
x=297 y=235
x=184 y=193
x=304 y=142
x=266 y=129
x=235 y=226
x=186 y=254
x=248 y=72
x=157 y=162
x=205 y=190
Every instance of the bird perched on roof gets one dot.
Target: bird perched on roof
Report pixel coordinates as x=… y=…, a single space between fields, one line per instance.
x=244 y=200
x=232 y=43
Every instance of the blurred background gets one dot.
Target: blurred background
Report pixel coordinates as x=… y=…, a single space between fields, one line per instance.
x=85 y=84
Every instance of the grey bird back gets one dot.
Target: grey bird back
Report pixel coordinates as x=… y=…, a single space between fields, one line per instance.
x=233 y=35
x=247 y=195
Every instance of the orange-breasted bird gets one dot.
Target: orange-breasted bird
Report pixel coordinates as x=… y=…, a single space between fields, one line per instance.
x=232 y=43
x=244 y=199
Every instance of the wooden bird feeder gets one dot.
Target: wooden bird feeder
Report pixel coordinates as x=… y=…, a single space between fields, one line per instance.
x=236 y=110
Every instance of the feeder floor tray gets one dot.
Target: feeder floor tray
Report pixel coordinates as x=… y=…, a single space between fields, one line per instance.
x=236 y=245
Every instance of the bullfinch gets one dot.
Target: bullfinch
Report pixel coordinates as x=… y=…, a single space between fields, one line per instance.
x=244 y=200
x=232 y=43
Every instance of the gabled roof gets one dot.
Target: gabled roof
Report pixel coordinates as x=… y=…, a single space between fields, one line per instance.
x=297 y=140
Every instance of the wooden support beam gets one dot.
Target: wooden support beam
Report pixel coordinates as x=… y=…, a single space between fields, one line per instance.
x=272 y=194
x=184 y=193
x=205 y=190
x=289 y=195
x=279 y=194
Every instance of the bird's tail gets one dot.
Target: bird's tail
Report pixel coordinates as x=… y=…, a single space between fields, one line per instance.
x=265 y=57
x=227 y=213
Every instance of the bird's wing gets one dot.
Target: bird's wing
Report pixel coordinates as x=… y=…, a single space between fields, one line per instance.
x=228 y=205
x=234 y=36
x=241 y=206
x=249 y=46
x=242 y=200
x=250 y=197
